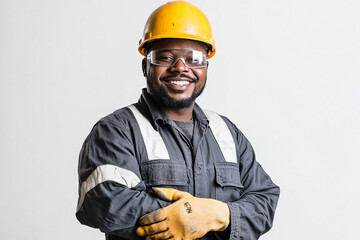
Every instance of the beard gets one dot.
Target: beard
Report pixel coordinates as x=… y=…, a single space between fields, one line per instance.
x=164 y=100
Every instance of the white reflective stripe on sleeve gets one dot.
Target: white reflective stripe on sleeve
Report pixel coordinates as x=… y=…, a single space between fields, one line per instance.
x=222 y=135
x=154 y=144
x=105 y=173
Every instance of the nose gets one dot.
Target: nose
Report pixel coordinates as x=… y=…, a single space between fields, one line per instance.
x=179 y=66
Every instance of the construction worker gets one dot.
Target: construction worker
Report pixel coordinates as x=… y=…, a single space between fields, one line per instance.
x=163 y=168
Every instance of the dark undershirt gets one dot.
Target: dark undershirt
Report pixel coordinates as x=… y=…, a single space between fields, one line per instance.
x=187 y=127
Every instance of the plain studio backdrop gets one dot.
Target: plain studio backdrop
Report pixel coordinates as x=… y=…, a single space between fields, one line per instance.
x=286 y=72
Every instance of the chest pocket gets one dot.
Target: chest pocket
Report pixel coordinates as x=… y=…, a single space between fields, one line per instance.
x=165 y=173
x=228 y=183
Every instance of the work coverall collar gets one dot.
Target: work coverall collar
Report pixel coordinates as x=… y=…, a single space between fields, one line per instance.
x=159 y=116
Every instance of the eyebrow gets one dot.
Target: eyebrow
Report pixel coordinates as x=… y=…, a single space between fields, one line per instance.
x=165 y=50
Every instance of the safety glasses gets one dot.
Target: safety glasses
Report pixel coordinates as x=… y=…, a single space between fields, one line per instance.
x=169 y=57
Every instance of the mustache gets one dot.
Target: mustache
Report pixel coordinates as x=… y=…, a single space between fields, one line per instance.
x=193 y=79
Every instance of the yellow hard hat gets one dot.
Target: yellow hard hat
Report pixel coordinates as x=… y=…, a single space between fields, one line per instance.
x=178 y=19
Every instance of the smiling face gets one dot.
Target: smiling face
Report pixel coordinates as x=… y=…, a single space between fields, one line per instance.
x=177 y=86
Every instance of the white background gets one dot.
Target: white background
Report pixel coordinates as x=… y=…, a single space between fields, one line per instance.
x=287 y=72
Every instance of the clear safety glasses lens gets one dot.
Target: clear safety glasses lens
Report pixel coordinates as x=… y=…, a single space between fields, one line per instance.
x=169 y=57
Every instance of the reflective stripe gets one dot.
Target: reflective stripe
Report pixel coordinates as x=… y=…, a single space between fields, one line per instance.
x=222 y=135
x=105 y=173
x=154 y=144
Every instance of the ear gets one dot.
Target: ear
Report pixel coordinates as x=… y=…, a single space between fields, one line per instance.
x=144 y=64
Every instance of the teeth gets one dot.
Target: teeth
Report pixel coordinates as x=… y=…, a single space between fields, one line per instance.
x=180 y=83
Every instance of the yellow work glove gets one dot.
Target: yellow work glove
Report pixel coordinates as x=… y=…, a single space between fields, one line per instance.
x=187 y=218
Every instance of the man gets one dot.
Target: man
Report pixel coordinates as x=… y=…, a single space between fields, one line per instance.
x=163 y=168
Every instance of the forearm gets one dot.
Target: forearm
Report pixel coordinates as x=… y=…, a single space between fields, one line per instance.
x=116 y=209
x=253 y=214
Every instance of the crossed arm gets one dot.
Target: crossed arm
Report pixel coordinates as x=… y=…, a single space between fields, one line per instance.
x=116 y=209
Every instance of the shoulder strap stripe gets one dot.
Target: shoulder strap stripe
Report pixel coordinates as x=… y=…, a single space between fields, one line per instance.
x=155 y=146
x=105 y=173
x=222 y=135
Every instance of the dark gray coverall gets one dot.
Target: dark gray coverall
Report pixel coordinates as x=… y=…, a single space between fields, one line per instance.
x=118 y=192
